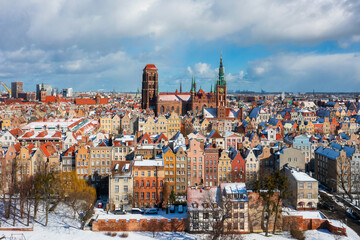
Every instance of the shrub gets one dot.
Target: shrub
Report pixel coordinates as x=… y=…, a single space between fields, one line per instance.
x=297 y=234
x=124 y=235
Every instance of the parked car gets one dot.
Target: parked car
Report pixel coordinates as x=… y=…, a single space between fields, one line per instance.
x=99 y=205
x=119 y=212
x=151 y=211
x=137 y=211
x=172 y=208
x=180 y=209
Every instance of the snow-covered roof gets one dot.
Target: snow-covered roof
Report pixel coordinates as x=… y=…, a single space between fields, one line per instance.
x=148 y=163
x=302 y=177
x=304 y=214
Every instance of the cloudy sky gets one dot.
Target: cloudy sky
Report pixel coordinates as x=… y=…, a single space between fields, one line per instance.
x=278 y=45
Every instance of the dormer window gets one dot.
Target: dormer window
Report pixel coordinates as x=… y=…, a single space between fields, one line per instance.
x=216 y=205
x=205 y=205
x=195 y=205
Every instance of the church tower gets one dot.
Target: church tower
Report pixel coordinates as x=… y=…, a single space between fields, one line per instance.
x=149 y=87
x=221 y=92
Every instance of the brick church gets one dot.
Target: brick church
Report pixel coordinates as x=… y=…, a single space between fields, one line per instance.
x=212 y=104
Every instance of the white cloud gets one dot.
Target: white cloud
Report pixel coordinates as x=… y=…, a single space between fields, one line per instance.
x=264 y=21
x=202 y=70
x=305 y=72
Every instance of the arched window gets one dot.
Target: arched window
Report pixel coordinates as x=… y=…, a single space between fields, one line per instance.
x=177 y=109
x=162 y=109
x=172 y=109
x=153 y=183
x=137 y=183
x=142 y=183
x=167 y=109
x=161 y=183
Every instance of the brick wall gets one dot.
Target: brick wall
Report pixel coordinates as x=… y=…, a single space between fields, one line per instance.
x=17 y=229
x=301 y=224
x=112 y=225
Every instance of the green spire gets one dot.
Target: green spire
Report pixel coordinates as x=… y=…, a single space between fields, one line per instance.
x=192 y=85
x=211 y=88
x=221 y=80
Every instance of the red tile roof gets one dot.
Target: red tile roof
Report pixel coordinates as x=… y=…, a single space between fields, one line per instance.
x=84 y=101
x=48 y=149
x=150 y=67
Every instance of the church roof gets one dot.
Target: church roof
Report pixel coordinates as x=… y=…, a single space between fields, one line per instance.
x=150 y=67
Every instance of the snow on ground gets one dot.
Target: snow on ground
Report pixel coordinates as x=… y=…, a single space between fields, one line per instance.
x=63 y=226
x=101 y=214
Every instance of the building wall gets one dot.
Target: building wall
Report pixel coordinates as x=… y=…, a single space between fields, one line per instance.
x=195 y=163
x=181 y=172
x=121 y=191
x=147 y=195
x=211 y=167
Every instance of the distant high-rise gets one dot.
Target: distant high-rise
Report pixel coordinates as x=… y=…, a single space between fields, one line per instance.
x=16 y=88
x=67 y=92
x=43 y=86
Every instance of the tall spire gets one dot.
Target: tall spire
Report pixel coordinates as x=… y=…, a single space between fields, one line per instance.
x=192 y=85
x=180 y=87
x=211 y=88
x=221 y=80
x=195 y=84
x=221 y=65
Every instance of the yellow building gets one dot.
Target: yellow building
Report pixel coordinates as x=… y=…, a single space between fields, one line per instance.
x=153 y=126
x=106 y=124
x=6 y=124
x=224 y=168
x=174 y=125
x=169 y=167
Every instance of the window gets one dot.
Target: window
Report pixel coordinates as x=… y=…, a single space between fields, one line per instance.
x=206 y=215
x=153 y=196
x=147 y=196
x=116 y=188
x=125 y=188
x=242 y=226
x=196 y=215
x=309 y=195
x=309 y=185
x=241 y=205
x=301 y=185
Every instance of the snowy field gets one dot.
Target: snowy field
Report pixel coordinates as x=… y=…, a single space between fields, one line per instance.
x=63 y=226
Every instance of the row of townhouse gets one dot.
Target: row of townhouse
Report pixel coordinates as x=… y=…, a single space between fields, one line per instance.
x=168 y=125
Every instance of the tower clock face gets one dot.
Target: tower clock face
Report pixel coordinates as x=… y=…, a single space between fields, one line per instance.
x=221 y=90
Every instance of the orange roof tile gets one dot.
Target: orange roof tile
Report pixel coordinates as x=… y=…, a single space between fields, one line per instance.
x=150 y=67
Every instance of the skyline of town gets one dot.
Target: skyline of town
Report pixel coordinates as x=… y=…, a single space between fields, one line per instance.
x=285 y=47
x=181 y=119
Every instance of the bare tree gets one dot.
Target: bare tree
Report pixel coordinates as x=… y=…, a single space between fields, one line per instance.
x=345 y=176
x=265 y=187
